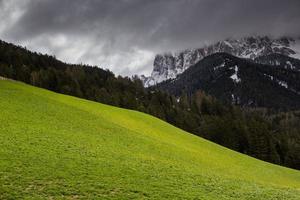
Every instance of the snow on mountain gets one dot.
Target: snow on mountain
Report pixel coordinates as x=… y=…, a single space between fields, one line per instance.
x=234 y=76
x=168 y=66
x=296 y=47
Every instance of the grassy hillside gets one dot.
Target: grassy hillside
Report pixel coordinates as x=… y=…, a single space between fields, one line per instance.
x=60 y=147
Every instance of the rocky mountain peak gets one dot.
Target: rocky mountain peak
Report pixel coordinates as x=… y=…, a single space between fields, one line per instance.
x=168 y=66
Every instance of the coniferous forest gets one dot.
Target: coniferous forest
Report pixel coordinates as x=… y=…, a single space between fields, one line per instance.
x=263 y=133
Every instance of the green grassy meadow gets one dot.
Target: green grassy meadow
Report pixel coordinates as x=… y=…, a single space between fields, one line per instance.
x=54 y=146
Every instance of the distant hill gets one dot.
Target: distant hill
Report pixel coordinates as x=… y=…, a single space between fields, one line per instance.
x=243 y=82
x=61 y=147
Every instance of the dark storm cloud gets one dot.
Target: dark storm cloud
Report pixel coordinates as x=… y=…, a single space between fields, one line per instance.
x=124 y=35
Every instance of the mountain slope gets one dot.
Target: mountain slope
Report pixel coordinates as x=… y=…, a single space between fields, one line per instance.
x=240 y=81
x=62 y=147
x=168 y=66
x=279 y=60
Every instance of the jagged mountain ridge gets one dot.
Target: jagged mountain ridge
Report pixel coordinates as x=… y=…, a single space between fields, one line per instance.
x=168 y=66
x=241 y=81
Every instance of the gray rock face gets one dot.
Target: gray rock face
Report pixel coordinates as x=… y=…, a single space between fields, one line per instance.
x=168 y=66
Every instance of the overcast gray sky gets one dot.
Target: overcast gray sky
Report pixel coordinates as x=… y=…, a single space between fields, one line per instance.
x=125 y=35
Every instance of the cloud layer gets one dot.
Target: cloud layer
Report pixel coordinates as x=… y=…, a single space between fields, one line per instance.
x=125 y=35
